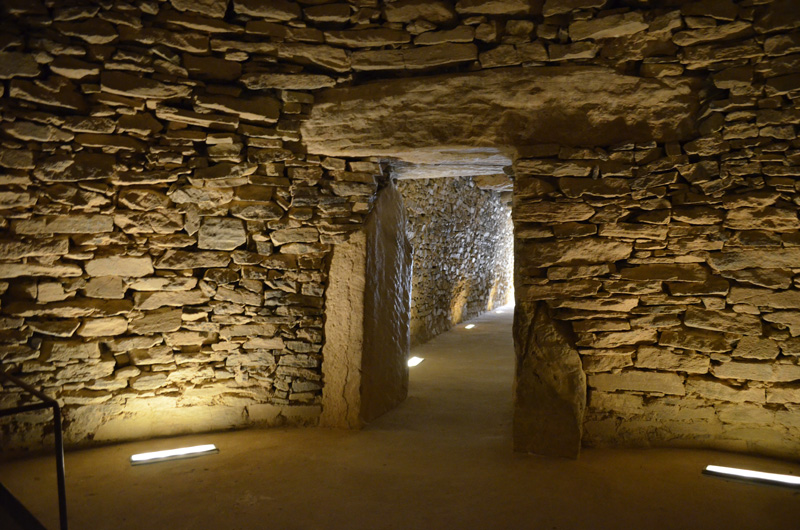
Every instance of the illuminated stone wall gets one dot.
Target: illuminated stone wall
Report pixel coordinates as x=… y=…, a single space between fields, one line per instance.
x=463 y=252
x=165 y=233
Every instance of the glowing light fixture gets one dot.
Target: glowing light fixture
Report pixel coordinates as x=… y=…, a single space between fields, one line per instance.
x=469 y=326
x=415 y=361
x=775 y=479
x=173 y=454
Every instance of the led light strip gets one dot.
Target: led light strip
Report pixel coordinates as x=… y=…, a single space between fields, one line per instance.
x=414 y=361
x=787 y=481
x=173 y=454
x=469 y=326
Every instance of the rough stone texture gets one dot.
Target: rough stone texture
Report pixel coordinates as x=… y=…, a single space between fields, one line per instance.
x=128 y=126
x=344 y=333
x=495 y=109
x=387 y=292
x=550 y=385
x=462 y=250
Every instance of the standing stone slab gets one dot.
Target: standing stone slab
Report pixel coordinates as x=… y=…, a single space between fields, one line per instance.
x=221 y=233
x=549 y=388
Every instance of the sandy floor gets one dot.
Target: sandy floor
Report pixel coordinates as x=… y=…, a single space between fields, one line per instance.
x=441 y=460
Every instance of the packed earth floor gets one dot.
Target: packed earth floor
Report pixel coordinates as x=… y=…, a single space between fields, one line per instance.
x=442 y=459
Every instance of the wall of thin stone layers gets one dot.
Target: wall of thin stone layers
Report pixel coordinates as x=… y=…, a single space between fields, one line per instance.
x=164 y=235
x=463 y=252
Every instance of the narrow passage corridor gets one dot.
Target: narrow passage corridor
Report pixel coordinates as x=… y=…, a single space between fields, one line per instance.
x=443 y=459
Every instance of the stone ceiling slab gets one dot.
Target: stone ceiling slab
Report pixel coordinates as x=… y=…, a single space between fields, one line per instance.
x=415 y=120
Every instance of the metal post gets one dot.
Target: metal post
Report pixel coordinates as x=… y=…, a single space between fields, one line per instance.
x=60 y=474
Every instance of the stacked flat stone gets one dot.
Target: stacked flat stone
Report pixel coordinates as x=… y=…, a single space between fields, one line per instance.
x=463 y=252
x=164 y=234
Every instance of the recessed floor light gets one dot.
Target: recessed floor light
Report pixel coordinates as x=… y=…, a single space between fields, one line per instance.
x=469 y=326
x=414 y=361
x=173 y=454
x=747 y=475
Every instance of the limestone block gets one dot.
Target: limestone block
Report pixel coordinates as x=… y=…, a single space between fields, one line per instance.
x=103 y=327
x=578 y=288
x=405 y=11
x=16 y=159
x=606 y=187
x=120 y=266
x=66 y=351
x=768 y=218
x=53 y=270
x=65 y=224
x=261 y=108
x=294 y=235
x=783 y=395
x=770 y=278
x=155 y=300
x=29 y=131
x=164 y=283
x=552 y=212
x=16 y=64
x=639 y=381
x=698 y=340
x=182 y=259
x=26 y=248
x=771 y=372
x=612 y=26
x=705 y=55
x=655 y=358
x=137 y=86
x=327 y=57
x=617 y=303
x=550 y=386
x=52 y=292
x=279 y=10
x=606 y=362
x=756 y=348
x=723 y=32
x=260 y=81
x=149 y=381
x=721 y=391
x=264 y=343
x=765 y=297
x=778 y=15
x=221 y=233
x=619 y=338
x=498 y=7
x=790 y=319
x=73 y=68
x=754 y=258
x=676 y=273
x=367 y=38
x=65 y=96
x=574 y=51
x=578 y=251
x=216 y=121
x=141 y=123
x=159 y=321
x=562 y=7
x=86 y=371
x=211 y=8
x=106 y=287
x=156 y=355
x=725 y=321
x=462 y=111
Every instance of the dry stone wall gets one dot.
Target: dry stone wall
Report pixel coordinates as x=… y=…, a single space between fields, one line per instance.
x=463 y=252
x=164 y=238
x=164 y=232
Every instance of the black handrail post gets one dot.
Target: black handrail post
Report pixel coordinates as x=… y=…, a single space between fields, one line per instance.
x=60 y=473
x=47 y=402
